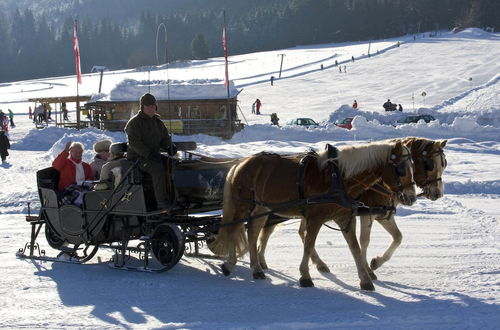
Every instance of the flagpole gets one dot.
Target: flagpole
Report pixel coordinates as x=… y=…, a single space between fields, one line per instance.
x=76 y=48
x=226 y=78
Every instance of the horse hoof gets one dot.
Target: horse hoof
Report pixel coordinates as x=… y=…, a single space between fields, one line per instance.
x=225 y=271
x=373 y=276
x=306 y=283
x=259 y=276
x=367 y=286
x=323 y=268
x=374 y=264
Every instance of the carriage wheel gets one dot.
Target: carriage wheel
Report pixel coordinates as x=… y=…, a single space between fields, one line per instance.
x=168 y=245
x=84 y=253
x=54 y=241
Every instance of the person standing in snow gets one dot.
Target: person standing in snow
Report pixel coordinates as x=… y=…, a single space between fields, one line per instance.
x=387 y=105
x=355 y=104
x=258 y=104
x=400 y=107
x=11 y=118
x=4 y=145
x=5 y=124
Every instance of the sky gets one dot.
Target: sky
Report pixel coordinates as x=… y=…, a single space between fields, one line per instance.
x=444 y=275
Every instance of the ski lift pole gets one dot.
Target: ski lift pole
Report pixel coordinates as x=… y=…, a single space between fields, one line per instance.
x=281 y=65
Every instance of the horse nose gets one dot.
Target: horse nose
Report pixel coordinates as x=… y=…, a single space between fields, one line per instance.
x=408 y=198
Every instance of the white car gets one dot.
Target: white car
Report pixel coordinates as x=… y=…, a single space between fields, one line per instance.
x=307 y=122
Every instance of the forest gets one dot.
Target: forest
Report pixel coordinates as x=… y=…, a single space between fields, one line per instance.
x=36 y=36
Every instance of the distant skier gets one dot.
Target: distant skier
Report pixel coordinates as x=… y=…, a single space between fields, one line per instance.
x=272 y=80
x=355 y=104
x=400 y=107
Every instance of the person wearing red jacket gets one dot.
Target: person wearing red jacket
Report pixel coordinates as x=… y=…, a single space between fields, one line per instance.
x=72 y=170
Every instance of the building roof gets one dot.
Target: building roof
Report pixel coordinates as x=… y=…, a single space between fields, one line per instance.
x=132 y=90
x=60 y=99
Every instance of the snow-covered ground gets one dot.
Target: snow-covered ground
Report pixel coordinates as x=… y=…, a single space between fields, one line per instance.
x=446 y=273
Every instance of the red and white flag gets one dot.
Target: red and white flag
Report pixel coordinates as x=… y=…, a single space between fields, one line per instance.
x=76 y=48
x=224 y=45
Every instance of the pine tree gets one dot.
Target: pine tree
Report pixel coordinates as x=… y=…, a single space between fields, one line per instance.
x=199 y=47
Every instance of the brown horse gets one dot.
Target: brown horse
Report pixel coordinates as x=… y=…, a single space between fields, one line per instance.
x=430 y=162
x=268 y=183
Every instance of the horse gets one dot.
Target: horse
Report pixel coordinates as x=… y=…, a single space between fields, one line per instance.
x=269 y=183
x=430 y=163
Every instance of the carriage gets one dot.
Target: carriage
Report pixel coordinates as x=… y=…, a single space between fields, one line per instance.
x=309 y=186
x=125 y=219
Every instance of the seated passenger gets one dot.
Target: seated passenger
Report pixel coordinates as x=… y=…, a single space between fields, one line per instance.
x=102 y=153
x=111 y=172
x=72 y=172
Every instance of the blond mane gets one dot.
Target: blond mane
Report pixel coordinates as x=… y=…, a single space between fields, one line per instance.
x=356 y=159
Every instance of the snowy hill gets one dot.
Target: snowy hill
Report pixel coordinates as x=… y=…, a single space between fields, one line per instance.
x=444 y=274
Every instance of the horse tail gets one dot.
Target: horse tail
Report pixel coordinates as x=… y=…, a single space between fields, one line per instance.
x=230 y=234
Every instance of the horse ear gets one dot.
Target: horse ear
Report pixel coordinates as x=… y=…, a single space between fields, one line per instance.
x=398 y=147
x=331 y=151
x=443 y=143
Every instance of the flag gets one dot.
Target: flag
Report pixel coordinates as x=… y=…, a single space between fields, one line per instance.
x=76 y=48
x=224 y=45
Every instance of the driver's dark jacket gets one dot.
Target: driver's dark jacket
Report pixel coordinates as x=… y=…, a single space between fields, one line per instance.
x=147 y=135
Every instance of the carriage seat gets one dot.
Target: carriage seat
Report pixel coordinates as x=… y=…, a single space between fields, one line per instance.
x=48 y=178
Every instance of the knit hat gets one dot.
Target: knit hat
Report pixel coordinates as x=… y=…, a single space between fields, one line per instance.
x=102 y=145
x=148 y=99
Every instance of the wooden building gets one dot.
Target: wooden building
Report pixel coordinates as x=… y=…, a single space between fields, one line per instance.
x=186 y=108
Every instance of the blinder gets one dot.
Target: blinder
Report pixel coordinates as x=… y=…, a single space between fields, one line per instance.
x=401 y=169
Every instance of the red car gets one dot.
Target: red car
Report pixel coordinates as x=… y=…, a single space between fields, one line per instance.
x=344 y=123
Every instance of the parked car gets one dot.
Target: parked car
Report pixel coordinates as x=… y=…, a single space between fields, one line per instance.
x=308 y=122
x=344 y=123
x=408 y=119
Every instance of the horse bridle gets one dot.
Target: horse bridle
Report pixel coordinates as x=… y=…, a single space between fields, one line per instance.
x=428 y=159
x=400 y=169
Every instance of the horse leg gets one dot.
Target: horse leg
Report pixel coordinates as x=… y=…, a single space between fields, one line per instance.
x=254 y=227
x=311 y=233
x=350 y=237
x=229 y=264
x=265 y=234
x=390 y=225
x=320 y=265
x=364 y=240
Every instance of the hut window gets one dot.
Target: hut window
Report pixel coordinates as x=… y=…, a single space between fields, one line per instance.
x=194 y=112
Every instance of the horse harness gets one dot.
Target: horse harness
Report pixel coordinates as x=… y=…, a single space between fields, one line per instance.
x=336 y=194
x=428 y=159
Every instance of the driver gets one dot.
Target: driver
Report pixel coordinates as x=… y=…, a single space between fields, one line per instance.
x=146 y=136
